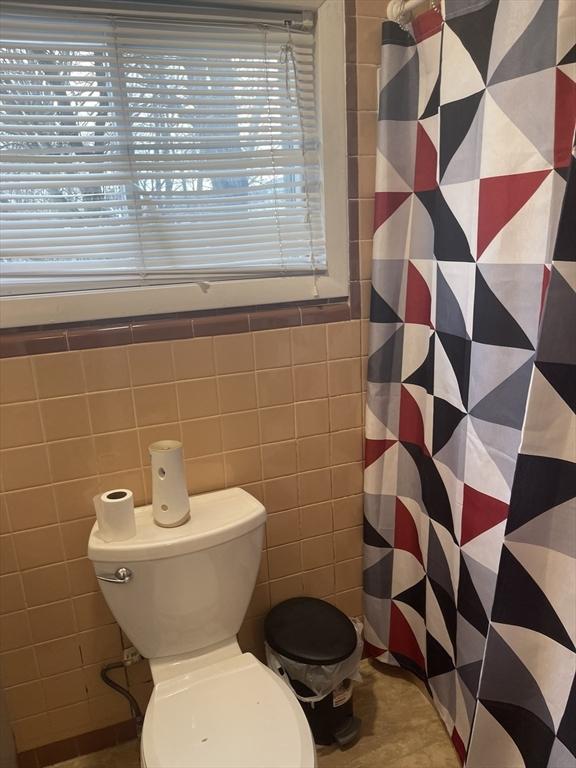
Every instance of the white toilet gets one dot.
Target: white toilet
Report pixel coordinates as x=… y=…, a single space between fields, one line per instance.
x=180 y=594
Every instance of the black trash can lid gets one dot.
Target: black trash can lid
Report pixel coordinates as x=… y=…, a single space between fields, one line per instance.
x=310 y=630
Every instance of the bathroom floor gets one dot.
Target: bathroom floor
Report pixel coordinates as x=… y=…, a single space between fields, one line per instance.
x=400 y=729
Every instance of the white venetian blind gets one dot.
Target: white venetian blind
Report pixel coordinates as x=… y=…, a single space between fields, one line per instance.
x=138 y=151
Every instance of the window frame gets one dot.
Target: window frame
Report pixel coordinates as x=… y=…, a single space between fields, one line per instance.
x=101 y=304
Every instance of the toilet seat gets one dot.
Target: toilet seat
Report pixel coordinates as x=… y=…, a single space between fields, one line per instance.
x=232 y=714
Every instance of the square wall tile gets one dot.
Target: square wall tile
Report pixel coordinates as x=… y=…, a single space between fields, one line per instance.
x=314 y=486
x=65 y=417
x=156 y=404
x=111 y=411
x=348 y=543
x=48 y=622
x=14 y=631
x=8 y=561
x=25 y=700
x=313 y=452
x=72 y=459
x=317 y=552
x=193 y=358
x=277 y=423
x=348 y=511
x=205 y=473
x=281 y=493
x=16 y=380
x=285 y=588
x=101 y=643
x=310 y=381
x=31 y=508
x=279 y=459
x=274 y=387
x=18 y=667
x=11 y=593
x=39 y=546
x=272 y=348
x=201 y=437
x=91 y=611
x=197 y=398
x=309 y=344
x=58 y=656
x=316 y=519
x=345 y=412
x=244 y=466
x=312 y=417
x=234 y=353
x=284 y=560
x=237 y=392
x=20 y=425
x=347 y=480
x=25 y=467
x=74 y=499
x=240 y=430
x=46 y=585
x=345 y=376
x=64 y=689
x=343 y=340
x=346 y=446
x=150 y=363
x=106 y=368
x=116 y=451
x=282 y=528
x=319 y=582
x=58 y=375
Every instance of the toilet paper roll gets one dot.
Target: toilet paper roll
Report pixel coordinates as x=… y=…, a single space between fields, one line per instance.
x=170 y=502
x=115 y=515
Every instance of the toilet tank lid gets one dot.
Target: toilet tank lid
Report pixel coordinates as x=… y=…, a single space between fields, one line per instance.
x=214 y=519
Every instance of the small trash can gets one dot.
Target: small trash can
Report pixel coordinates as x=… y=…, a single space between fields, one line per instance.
x=317 y=649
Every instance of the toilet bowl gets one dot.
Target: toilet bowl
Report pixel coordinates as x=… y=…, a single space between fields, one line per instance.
x=180 y=594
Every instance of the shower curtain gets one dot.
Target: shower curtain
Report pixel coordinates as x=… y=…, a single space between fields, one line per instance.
x=470 y=518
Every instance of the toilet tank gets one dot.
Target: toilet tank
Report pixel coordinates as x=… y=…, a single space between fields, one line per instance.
x=190 y=586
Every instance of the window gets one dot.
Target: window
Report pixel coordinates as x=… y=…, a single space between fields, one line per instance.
x=158 y=164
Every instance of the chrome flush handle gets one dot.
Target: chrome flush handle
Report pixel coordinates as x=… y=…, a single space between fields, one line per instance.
x=120 y=576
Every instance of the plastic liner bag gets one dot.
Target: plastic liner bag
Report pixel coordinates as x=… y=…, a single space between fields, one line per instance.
x=320 y=679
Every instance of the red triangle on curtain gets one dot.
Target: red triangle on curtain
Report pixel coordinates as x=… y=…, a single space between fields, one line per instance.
x=426 y=162
x=402 y=638
x=406 y=533
x=375 y=448
x=418 y=300
x=480 y=513
x=385 y=204
x=501 y=197
x=411 y=423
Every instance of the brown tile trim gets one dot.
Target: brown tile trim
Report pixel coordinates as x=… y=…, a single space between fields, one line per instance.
x=78 y=745
x=33 y=341
x=275 y=318
x=88 y=337
x=355 y=301
x=217 y=325
x=162 y=330
x=328 y=313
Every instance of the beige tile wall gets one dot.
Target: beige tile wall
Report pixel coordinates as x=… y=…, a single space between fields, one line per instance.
x=278 y=412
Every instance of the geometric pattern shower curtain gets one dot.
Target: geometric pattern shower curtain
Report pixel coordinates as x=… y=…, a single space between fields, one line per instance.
x=476 y=129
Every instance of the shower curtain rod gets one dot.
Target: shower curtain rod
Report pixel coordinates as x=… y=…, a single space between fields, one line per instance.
x=397 y=8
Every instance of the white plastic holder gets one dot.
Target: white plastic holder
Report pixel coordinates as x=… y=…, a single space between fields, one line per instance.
x=170 y=503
